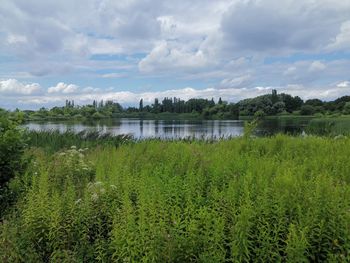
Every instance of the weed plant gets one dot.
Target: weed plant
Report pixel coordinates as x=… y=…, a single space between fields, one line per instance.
x=278 y=199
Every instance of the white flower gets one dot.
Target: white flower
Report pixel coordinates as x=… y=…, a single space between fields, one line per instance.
x=94 y=196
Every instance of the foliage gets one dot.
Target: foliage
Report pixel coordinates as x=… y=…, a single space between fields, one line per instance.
x=271 y=104
x=347 y=108
x=54 y=140
x=278 y=199
x=307 y=110
x=329 y=126
x=12 y=145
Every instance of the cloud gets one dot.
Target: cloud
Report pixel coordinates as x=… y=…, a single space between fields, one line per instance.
x=344 y=84
x=25 y=97
x=342 y=40
x=16 y=39
x=63 y=88
x=317 y=66
x=273 y=26
x=113 y=75
x=14 y=87
x=201 y=43
x=165 y=56
x=241 y=81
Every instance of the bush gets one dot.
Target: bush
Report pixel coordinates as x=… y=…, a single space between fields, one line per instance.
x=346 y=109
x=97 y=115
x=307 y=110
x=12 y=145
x=259 y=114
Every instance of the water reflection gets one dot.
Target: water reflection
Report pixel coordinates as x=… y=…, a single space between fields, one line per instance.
x=140 y=128
x=149 y=128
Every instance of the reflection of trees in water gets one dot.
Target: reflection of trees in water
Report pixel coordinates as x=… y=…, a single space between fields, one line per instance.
x=212 y=128
x=167 y=129
x=156 y=127
x=141 y=127
x=285 y=126
x=102 y=122
x=179 y=128
x=219 y=129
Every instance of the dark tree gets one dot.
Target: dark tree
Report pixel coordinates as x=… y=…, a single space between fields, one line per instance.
x=141 y=105
x=274 y=97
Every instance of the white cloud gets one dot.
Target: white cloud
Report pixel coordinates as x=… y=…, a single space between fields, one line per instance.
x=113 y=75
x=16 y=39
x=13 y=87
x=63 y=88
x=344 y=84
x=236 y=82
x=290 y=71
x=164 y=56
x=342 y=40
x=203 y=41
x=330 y=92
x=317 y=66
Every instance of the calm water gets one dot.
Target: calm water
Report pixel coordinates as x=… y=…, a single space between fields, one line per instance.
x=173 y=128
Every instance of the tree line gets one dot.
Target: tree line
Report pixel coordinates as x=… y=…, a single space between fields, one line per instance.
x=268 y=104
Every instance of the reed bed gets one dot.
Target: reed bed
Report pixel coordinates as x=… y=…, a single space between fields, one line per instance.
x=54 y=140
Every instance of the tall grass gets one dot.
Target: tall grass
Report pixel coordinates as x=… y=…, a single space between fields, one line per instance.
x=279 y=199
x=329 y=126
x=55 y=140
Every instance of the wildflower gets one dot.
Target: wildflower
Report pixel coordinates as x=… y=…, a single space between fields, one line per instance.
x=94 y=197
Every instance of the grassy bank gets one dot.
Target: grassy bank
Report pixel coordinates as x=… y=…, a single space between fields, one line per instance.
x=241 y=200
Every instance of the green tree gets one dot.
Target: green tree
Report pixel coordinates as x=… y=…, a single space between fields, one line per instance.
x=346 y=109
x=220 y=101
x=307 y=110
x=274 y=97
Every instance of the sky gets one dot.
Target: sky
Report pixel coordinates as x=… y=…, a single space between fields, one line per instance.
x=125 y=50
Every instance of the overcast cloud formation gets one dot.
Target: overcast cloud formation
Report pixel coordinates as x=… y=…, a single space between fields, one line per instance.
x=51 y=51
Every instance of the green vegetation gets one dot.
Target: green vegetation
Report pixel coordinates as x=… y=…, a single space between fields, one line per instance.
x=174 y=108
x=329 y=126
x=12 y=160
x=52 y=141
x=241 y=200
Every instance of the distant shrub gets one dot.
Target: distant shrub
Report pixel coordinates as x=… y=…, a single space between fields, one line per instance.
x=307 y=110
x=97 y=115
x=318 y=115
x=346 y=109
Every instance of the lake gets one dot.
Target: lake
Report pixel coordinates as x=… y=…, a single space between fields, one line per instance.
x=174 y=128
